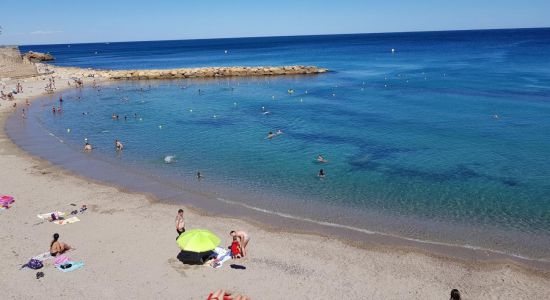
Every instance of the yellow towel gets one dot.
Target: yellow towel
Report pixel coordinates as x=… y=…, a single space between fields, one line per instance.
x=67 y=221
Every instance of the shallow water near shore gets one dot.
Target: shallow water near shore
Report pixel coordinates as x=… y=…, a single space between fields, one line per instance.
x=444 y=140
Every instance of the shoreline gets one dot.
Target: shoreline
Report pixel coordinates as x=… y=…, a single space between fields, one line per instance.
x=419 y=254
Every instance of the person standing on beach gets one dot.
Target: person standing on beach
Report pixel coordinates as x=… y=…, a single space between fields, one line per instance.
x=243 y=237
x=180 y=222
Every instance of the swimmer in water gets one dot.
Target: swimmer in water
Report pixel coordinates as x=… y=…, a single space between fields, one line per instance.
x=321 y=159
x=270 y=135
x=87 y=147
x=321 y=173
x=118 y=145
x=53 y=109
x=199 y=176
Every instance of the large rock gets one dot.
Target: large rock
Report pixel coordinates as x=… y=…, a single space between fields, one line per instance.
x=37 y=56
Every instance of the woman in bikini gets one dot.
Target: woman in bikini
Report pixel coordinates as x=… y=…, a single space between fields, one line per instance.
x=57 y=247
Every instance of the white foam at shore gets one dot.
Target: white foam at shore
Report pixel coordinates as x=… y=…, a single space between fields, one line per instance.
x=370 y=232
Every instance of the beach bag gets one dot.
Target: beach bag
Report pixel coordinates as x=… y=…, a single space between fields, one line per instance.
x=34 y=264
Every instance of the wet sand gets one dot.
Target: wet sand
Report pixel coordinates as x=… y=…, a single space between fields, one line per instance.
x=127 y=243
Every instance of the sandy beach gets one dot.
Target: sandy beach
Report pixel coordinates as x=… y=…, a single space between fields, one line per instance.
x=127 y=242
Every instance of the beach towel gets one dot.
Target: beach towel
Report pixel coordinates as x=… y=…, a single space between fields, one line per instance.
x=222 y=256
x=49 y=215
x=61 y=259
x=74 y=266
x=67 y=221
x=44 y=256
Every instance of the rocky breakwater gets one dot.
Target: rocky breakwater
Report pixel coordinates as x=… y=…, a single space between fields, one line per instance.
x=207 y=72
x=37 y=56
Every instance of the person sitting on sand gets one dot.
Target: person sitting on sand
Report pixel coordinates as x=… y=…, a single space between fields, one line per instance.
x=321 y=159
x=243 y=238
x=87 y=147
x=236 y=248
x=57 y=247
x=118 y=145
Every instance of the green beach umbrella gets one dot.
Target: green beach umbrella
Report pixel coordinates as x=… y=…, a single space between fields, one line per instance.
x=198 y=240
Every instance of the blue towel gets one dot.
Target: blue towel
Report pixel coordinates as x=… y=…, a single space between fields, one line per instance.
x=75 y=266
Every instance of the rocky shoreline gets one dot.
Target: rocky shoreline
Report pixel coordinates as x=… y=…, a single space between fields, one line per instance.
x=195 y=72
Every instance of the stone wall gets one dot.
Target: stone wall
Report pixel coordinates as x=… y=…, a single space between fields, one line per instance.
x=12 y=64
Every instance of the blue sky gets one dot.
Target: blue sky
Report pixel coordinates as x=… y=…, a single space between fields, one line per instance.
x=43 y=22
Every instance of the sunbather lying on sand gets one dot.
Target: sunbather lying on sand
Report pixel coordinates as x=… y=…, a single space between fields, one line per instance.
x=57 y=247
x=223 y=295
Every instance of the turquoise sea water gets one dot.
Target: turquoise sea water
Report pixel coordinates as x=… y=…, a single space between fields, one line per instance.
x=445 y=139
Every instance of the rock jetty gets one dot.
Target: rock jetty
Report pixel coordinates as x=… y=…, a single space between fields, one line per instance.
x=204 y=72
x=37 y=56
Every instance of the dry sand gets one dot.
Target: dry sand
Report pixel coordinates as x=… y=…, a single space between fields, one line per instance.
x=128 y=245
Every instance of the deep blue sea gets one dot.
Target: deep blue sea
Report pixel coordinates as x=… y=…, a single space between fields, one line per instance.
x=446 y=138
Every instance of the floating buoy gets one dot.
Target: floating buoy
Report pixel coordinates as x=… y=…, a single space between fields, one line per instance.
x=69 y=130
x=225 y=51
x=392 y=50
x=160 y=126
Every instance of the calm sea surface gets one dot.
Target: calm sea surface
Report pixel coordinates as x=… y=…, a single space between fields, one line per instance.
x=445 y=139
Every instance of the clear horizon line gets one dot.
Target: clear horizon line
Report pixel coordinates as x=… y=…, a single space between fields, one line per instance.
x=278 y=36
